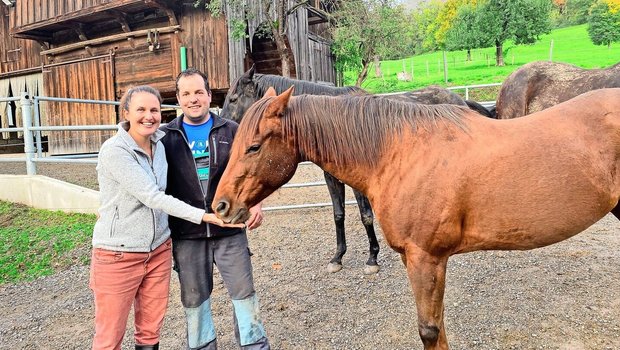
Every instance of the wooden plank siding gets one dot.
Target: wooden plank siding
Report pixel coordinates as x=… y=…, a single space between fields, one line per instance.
x=306 y=66
x=29 y=14
x=141 y=66
x=16 y=54
x=206 y=40
x=82 y=80
x=321 y=60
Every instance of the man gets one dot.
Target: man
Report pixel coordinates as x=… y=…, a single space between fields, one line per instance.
x=197 y=148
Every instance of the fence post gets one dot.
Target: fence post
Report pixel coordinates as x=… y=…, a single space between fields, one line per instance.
x=37 y=123
x=29 y=150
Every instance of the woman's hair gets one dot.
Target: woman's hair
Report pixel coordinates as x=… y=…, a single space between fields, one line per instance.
x=126 y=99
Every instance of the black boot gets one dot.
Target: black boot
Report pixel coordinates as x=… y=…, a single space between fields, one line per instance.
x=147 y=347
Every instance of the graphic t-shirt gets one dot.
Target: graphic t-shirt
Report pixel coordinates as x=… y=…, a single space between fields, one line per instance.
x=198 y=138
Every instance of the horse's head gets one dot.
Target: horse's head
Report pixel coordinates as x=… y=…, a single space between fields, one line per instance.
x=240 y=96
x=262 y=159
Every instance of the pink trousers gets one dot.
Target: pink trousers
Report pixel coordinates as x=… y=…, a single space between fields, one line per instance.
x=120 y=279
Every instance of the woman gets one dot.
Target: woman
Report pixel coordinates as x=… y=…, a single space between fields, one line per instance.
x=131 y=258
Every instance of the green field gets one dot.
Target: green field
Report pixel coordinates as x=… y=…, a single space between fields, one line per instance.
x=37 y=242
x=570 y=45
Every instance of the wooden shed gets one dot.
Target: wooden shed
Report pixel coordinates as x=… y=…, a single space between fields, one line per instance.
x=97 y=49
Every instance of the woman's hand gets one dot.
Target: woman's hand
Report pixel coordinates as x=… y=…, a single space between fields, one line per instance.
x=212 y=219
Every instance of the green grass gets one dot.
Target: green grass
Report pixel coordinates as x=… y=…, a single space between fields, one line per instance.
x=571 y=45
x=36 y=243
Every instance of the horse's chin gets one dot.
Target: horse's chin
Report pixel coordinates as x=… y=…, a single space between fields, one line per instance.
x=239 y=216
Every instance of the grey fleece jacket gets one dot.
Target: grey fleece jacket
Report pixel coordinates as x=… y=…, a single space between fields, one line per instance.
x=133 y=213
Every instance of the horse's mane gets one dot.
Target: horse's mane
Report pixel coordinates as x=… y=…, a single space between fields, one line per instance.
x=280 y=84
x=363 y=124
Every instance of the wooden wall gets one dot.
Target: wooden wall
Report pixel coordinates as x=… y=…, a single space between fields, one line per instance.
x=16 y=54
x=206 y=40
x=321 y=60
x=90 y=79
x=32 y=11
x=308 y=52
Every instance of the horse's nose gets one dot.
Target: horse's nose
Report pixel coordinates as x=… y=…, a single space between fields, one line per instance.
x=222 y=208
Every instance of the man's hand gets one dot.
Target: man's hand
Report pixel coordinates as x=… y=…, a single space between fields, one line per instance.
x=256 y=217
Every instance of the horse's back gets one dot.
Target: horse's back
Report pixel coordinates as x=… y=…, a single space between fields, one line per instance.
x=542 y=84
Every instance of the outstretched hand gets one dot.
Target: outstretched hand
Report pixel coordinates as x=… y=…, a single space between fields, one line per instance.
x=212 y=219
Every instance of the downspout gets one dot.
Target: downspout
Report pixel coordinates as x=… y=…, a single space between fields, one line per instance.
x=183 y=52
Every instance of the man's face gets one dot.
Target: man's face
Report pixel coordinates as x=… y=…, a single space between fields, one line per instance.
x=194 y=99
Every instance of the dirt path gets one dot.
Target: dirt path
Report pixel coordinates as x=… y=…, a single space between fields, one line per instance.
x=565 y=296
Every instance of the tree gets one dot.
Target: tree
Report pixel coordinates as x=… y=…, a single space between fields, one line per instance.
x=427 y=25
x=571 y=12
x=519 y=20
x=604 y=22
x=365 y=29
x=446 y=18
x=463 y=34
x=275 y=12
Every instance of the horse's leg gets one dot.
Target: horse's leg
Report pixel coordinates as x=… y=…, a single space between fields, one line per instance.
x=427 y=275
x=368 y=221
x=336 y=192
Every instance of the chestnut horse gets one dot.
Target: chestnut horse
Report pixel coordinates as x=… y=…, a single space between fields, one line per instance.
x=442 y=179
x=251 y=86
x=540 y=85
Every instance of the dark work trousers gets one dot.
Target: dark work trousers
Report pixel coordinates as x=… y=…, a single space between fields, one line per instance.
x=194 y=260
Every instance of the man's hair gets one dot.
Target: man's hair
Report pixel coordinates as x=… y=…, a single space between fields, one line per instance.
x=189 y=72
x=127 y=96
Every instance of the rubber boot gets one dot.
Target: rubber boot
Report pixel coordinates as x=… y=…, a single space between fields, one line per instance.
x=147 y=347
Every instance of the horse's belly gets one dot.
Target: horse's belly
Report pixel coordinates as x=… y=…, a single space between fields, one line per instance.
x=531 y=226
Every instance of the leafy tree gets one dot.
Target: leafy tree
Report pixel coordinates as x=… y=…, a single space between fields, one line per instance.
x=604 y=22
x=365 y=29
x=571 y=12
x=446 y=18
x=427 y=25
x=463 y=34
x=519 y=20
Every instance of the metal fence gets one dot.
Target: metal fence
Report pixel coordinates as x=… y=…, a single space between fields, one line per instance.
x=33 y=145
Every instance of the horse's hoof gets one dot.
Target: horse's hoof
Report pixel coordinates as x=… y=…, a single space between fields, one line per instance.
x=334 y=267
x=371 y=269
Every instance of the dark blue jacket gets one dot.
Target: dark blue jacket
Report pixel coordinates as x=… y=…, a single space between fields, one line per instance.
x=183 y=182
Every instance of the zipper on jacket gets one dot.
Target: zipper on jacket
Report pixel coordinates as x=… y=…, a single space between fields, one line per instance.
x=114 y=221
x=152 y=210
x=214 y=152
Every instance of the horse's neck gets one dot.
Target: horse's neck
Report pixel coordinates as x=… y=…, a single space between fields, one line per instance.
x=353 y=173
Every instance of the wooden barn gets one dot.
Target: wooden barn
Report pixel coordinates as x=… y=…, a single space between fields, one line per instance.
x=96 y=49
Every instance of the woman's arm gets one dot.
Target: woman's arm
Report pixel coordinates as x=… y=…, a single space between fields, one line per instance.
x=123 y=167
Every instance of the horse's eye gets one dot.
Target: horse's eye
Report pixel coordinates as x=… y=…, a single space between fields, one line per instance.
x=253 y=149
x=234 y=98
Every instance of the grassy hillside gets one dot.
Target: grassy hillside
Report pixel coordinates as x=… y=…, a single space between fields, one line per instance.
x=570 y=45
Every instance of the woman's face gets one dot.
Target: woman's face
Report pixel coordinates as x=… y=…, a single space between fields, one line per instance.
x=144 y=115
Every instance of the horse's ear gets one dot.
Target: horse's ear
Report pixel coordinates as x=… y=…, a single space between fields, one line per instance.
x=250 y=73
x=271 y=92
x=279 y=103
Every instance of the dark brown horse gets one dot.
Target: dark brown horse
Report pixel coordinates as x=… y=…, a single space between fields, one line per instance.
x=540 y=85
x=251 y=86
x=442 y=179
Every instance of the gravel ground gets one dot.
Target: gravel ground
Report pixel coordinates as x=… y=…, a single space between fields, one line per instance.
x=565 y=296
